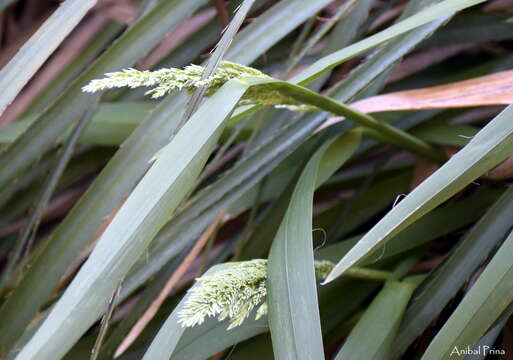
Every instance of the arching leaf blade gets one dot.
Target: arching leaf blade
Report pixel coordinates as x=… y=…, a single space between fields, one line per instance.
x=136 y=223
x=488 y=148
x=39 y=47
x=294 y=317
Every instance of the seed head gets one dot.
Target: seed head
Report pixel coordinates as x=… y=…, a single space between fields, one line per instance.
x=162 y=82
x=233 y=293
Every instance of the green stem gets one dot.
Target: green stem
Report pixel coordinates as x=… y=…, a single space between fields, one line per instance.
x=386 y=132
x=367 y=274
x=382 y=131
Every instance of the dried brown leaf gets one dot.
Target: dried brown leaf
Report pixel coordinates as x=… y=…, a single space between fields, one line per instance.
x=495 y=89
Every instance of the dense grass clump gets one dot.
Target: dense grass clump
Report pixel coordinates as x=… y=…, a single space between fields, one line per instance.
x=250 y=179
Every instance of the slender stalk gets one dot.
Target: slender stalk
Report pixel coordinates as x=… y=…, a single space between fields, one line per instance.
x=105 y=324
x=261 y=86
x=215 y=59
x=367 y=274
x=386 y=132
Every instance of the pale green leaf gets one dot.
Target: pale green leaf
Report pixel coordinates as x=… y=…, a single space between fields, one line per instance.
x=488 y=148
x=40 y=46
x=139 y=219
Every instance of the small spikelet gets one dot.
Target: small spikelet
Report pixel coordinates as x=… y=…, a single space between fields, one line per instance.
x=233 y=293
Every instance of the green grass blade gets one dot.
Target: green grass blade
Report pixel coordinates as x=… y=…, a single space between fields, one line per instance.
x=147 y=6
x=383 y=59
x=127 y=167
x=292 y=295
x=337 y=153
x=488 y=148
x=299 y=42
x=377 y=66
x=335 y=305
x=482 y=305
x=26 y=236
x=488 y=340
x=434 y=12
x=442 y=285
x=206 y=340
x=386 y=131
x=86 y=56
x=166 y=340
x=293 y=309
x=271 y=22
x=440 y=222
x=79 y=227
x=344 y=33
x=138 y=40
x=111 y=124
x=372 y=337
x=40 y=46
x=340 y=14
x=206 y=37
x=375 y=200
x=446 y=134
x=473 y=27
x=143 y=302
x=84 y=163
x=144 y=212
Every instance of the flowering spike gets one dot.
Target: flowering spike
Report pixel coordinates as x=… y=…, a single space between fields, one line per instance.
x=233 y=293
x=162 y=82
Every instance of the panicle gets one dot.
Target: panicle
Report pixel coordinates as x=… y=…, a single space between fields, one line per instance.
x=233 y=292
x=162 y=82
x=165 y=80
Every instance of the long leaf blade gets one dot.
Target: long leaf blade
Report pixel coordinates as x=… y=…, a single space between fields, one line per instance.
x=379 y=323
x=434 y=12
x=293 y=309
x=296 y=11
x=488 y=148
x=173 y=341
x=219 y=52
x=138 y=220
x=73 y=235
x=125 y=169
x=40 y=46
